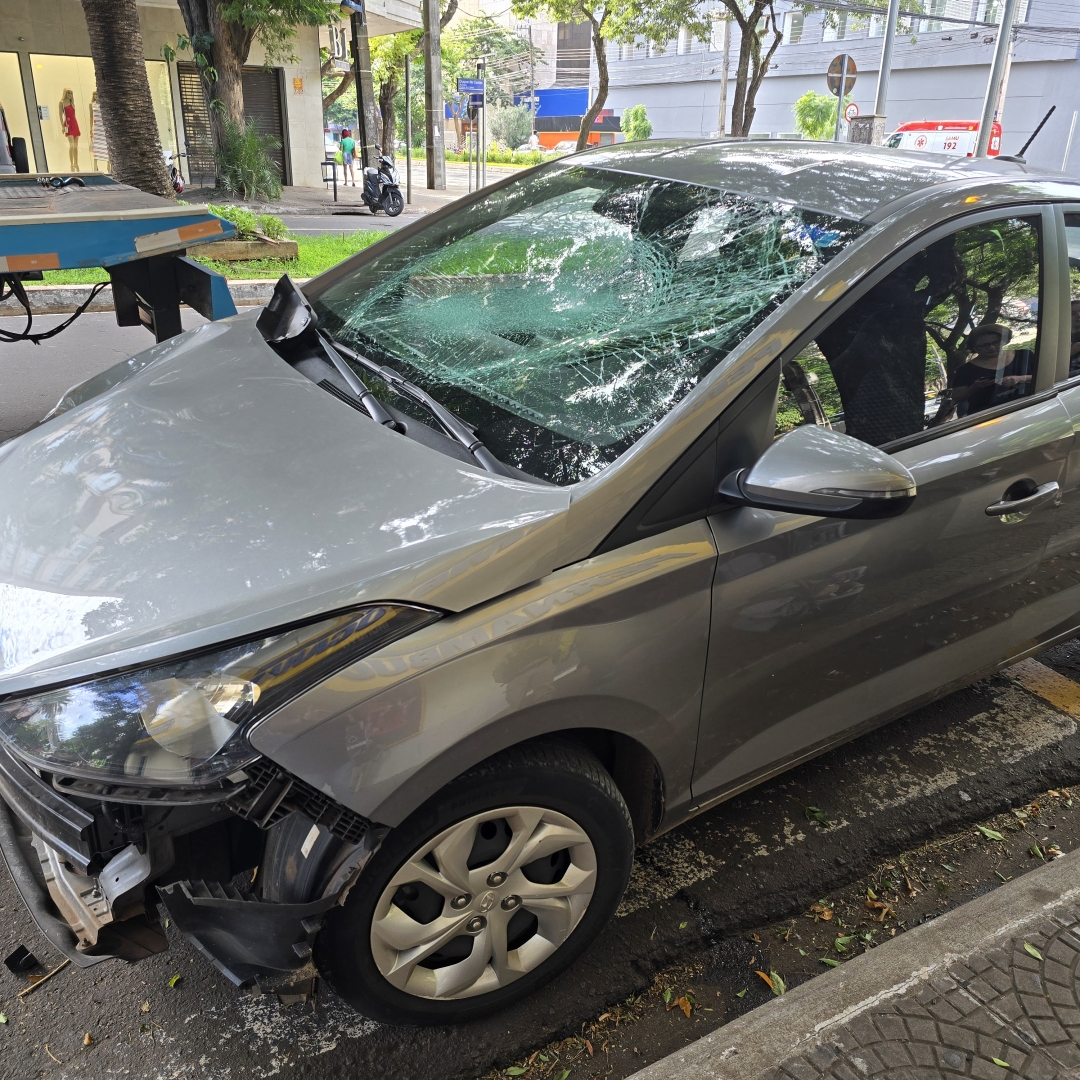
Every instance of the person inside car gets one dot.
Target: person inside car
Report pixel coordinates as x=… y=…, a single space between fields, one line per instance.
x=993 y=374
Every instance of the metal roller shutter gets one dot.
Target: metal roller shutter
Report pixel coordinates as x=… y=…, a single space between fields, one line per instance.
x=262 y=103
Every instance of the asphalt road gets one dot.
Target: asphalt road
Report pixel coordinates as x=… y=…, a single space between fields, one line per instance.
x=697 y=890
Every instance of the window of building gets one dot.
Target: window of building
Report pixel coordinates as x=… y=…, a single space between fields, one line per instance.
x=793 y=27
x=70 y=116
x=685 y=40
x=990 y=11
x=951 y=332
x=836 y=26
x=13 y=102
x=876 y=26
x=720 y=29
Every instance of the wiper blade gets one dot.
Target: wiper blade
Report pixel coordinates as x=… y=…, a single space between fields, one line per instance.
x=372 y=405
x=454 y=426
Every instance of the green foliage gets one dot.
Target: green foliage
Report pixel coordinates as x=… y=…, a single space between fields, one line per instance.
x=244 y=165
x=250 y=226
x=506 y=53
x=635 y=123
x=510 y=126
x=815 y=115
x=343 y=109
x=274 y=22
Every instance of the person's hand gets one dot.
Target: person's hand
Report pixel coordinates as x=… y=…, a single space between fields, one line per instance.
x=1015 y=380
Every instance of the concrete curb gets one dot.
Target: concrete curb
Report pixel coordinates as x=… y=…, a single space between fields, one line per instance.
x=64 y=299
x=801 y=1020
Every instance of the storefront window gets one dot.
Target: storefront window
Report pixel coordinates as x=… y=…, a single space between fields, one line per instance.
x=13 y=103
x=71 y=126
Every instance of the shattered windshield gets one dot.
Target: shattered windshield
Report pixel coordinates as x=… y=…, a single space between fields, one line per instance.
x=566 y=313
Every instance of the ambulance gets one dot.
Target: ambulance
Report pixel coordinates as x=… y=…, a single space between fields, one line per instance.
x=944 y=137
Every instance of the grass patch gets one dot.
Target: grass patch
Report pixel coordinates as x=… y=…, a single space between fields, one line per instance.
x=317 y=253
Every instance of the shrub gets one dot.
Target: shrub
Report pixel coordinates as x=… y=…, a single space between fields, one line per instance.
x=510 y=126
x=244 y=165
x=250 y=226
x=635 y=123
x=815 y=115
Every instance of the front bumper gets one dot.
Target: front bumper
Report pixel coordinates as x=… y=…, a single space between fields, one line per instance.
x=63 y=858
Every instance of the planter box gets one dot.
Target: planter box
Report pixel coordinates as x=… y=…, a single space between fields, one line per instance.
x=236 y=250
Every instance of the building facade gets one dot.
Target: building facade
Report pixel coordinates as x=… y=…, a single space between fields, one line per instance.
x=940 y=70
x=45 y=60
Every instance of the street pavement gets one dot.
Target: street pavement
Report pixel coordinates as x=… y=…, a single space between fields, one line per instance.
x=711 y=899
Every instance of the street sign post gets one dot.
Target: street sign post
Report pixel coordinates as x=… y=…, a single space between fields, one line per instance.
x=851 y=110
x=841 y=80
x=470 y=86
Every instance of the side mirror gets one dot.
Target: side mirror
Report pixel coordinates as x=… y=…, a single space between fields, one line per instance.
x=815 y=470
x=288 y=315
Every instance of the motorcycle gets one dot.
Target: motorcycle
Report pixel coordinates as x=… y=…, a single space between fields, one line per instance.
x=176 y=178
x=381 y=190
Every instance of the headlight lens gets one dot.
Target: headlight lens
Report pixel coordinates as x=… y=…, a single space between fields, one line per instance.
x=183 y=722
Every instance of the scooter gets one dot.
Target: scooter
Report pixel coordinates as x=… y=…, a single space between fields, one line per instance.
x=381 y=190
x=176 y=178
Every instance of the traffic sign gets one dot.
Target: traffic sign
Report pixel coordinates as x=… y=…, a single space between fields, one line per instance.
x=851 y=111
x=834 y=74
x=470 y=86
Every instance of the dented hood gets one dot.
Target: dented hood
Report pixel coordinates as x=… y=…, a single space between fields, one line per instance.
x=217 y=493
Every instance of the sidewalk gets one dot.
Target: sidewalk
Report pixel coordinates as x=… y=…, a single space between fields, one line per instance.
x=991 y=989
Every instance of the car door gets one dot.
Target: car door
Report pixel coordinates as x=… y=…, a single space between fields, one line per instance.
x=822 y=625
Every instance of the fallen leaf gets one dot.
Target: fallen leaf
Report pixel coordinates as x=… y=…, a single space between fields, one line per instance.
x=145 y=1006
x=667 y=996
x=683 y=1003
x=603 y=1017
x=3 y=1019
x=802 y=952
x=870 y=894
x=841 y=943
x=682 y=926
x=990 y=834
x=1003 y=1064
x=778 y=985
x=814 y=813
x=563 y=1075
x=1054 y=852
x=951 y=869
x=754 y=937
x=1056 y=794
x=740 y=994
x=881 y=907
x=588 y=1046
x=517 y=1070
x=830 y=962
x=820 y=911
x=768 y=981
x=33 y=980
x=1032 y=951
x=1001 y=875
x=175 y=981
x=88 y=1039
x=1036 y=852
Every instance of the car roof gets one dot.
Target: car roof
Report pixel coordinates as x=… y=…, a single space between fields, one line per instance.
x=847 y=180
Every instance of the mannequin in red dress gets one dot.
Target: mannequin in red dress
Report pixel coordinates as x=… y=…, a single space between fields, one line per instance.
x=71 y=127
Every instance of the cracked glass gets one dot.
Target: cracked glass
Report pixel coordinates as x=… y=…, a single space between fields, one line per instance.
x=565 y=314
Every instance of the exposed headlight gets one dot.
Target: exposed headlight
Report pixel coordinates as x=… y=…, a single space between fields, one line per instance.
x=183 y=721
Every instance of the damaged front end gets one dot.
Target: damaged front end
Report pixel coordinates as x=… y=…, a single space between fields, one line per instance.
x=141 y=788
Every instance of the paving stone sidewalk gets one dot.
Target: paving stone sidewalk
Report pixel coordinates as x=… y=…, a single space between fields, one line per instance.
x=989 y=990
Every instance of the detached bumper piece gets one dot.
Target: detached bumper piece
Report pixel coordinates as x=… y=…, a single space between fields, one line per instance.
x=243 y=937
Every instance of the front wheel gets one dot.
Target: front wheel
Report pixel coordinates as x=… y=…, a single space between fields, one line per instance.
x=488 y=891
x=393 y=202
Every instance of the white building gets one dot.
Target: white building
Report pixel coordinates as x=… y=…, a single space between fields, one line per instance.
x=940 y=71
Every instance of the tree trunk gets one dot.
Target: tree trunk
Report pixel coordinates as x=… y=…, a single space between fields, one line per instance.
x=761 y=66
x=600 y=52
x=387 y=92
x=751 y=67
x=346 y=81
x=127 y=109
x=226 y=54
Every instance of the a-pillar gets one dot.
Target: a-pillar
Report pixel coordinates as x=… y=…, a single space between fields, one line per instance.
x=434 y=109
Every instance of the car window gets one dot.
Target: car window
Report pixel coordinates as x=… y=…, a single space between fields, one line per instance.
x=564 y=314
x=951 y=332
x=1072 y=235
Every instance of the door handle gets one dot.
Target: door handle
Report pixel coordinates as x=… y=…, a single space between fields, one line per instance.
x=1010 y=510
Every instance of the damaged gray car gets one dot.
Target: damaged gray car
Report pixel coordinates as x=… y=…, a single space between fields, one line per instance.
x=371 y=631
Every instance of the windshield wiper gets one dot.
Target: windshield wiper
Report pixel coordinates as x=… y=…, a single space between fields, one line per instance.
x=371 y=403
x=454 y=426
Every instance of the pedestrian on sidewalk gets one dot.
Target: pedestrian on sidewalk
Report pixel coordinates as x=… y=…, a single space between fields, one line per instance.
x=348 y=147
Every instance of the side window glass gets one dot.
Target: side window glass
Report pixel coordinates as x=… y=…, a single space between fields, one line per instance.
x=1072 y=233
x=951 y=332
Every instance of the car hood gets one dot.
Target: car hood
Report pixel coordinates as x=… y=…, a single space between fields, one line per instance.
x=217 y=493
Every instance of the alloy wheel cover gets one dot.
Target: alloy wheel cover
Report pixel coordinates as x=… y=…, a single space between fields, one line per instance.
x=400 y=944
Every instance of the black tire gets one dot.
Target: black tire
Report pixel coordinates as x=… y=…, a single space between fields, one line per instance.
x=554 y=777
x=393 y=202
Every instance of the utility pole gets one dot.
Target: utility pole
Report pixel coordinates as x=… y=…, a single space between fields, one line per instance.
x=877 y=136
x=532 y=81
x=481 y=120
x=365 y=92
x=840 y=99
x=434 y=109
x=408 y=128
x=999 y=73
x=725 y=38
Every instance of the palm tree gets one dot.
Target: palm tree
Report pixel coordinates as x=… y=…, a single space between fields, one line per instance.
x=123 y=90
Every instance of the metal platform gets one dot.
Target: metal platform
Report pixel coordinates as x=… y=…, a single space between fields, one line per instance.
x=89 y=219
